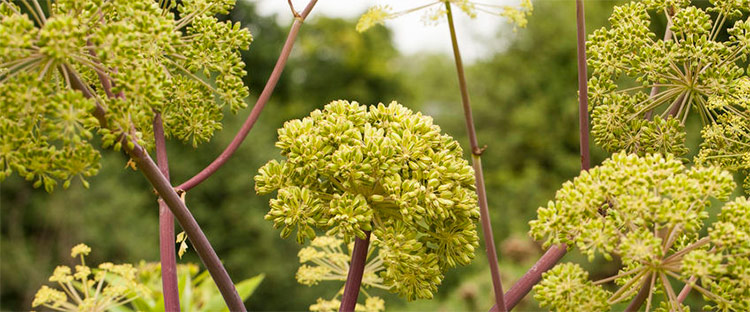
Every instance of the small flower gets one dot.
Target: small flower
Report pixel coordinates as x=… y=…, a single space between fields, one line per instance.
x=326 y=305
x=566 y=288
x=93 y=290
x=374 y=15
x=330 y=257
x=49 y=296
x=61 y=275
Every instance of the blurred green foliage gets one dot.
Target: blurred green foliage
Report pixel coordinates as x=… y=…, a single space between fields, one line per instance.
x=525 y=109
x=197 y=290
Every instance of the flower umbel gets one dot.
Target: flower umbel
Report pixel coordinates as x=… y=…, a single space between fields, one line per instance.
x=644 y=88
x=350 y=169
x=133 y=59
x=649 y=211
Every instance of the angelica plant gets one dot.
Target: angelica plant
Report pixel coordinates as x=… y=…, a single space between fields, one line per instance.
x=644 y=88
x=125 y=61
x=123 y=69
x=326 y=260
x=350 y=170
x=649 y=211
x=90 y=289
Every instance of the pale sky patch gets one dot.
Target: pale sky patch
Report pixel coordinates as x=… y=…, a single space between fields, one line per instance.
x=476 y=36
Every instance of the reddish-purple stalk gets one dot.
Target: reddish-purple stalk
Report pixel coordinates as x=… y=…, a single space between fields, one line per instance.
x=259 y=104
x=159 y=180
x=642 y=295
x=476 y=161
x=583 y=87
x=686 y=289
x=354 y=277
x=197 y=238
x=164 y=189
x=532 y=276
x=555 y=253
x=167 y=251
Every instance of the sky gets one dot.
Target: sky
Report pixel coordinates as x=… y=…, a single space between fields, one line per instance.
x=476 y=36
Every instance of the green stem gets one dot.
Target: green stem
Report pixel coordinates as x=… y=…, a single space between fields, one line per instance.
x=476 y=152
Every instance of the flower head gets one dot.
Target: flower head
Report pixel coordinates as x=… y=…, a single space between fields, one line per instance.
x=89 y=289
x=643 y=87
x=649 y=211
x=74 y=48
x=351 y=170
x=80 y=249
x=327 y=259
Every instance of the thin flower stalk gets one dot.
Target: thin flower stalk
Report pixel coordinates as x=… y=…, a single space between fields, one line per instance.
x=265 y=95
x=476 y=152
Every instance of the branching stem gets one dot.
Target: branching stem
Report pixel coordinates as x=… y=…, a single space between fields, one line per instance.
x=259 y=105
x=164 y=189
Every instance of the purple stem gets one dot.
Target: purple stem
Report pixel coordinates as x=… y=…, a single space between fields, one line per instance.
x=642 y=295
x=259 y=105
x=354 y=277
x=166 y=227
x=532 y=276
x=686 y=290
x=583 y=87
x=555 y=253
x=164 y=189
x=198 y=239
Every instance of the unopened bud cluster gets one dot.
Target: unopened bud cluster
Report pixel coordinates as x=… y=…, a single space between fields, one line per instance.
x=350 y=169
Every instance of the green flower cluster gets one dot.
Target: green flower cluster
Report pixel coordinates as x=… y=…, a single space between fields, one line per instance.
x=643 y=88
x=326 y=260
x=649 y=211
x=134 y=59
x=388 y=170
x=726 y=142
x=566 y=288
x=102 y=289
